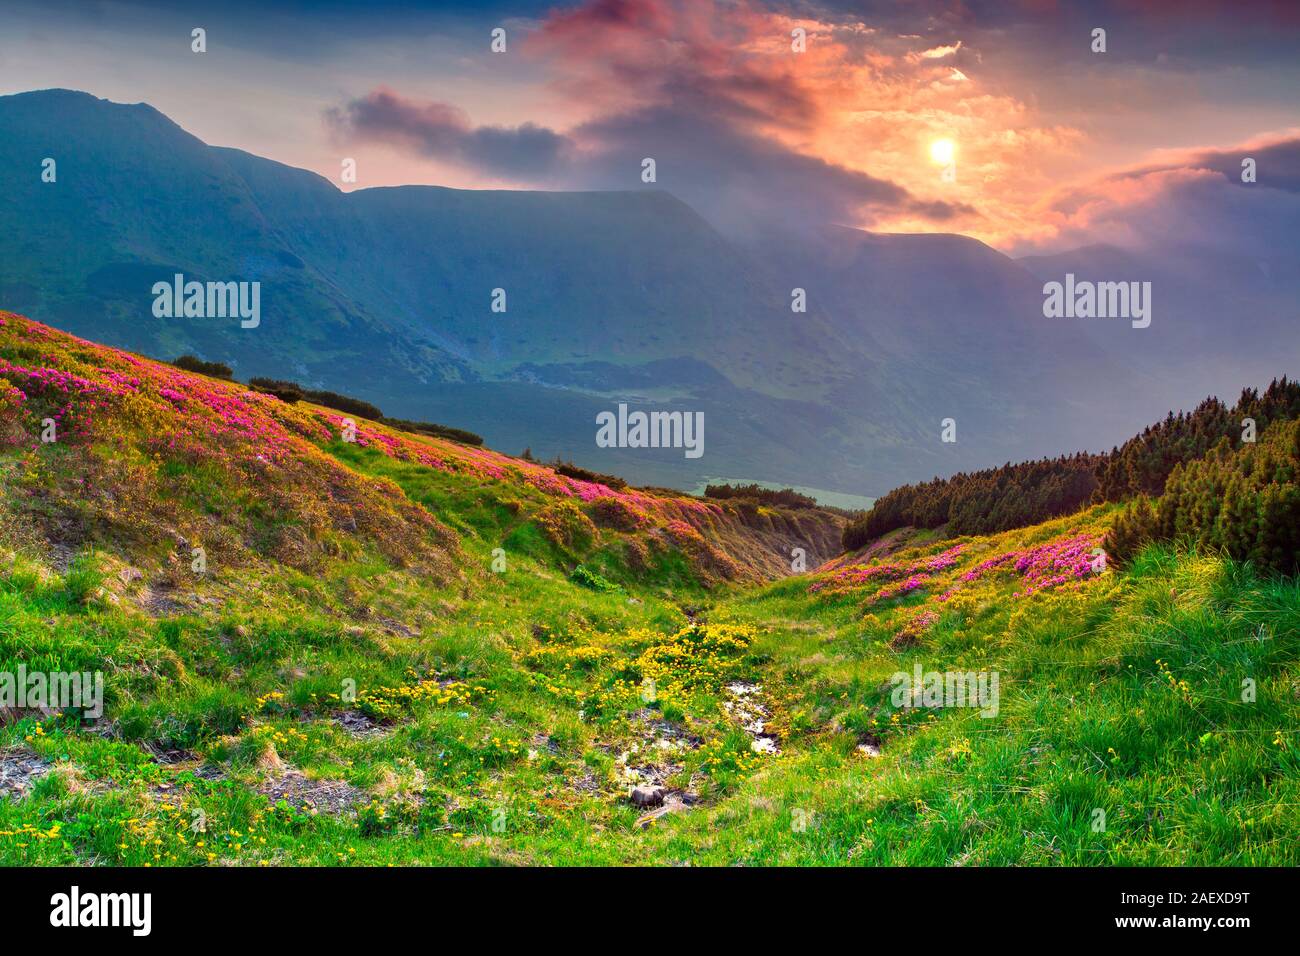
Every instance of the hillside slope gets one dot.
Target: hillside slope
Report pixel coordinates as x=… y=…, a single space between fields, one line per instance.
x=143 y=454
x=347 y=678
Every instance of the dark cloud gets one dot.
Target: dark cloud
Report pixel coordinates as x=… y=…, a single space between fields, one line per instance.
x=1277 y=163
x=528 y=152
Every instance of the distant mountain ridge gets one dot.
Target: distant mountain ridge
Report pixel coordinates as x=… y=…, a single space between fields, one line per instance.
x=386 y=294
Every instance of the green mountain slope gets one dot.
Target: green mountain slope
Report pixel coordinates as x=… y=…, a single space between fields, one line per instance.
x=397 y=649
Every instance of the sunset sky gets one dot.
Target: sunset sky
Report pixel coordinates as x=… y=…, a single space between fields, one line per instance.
x=1053 y=145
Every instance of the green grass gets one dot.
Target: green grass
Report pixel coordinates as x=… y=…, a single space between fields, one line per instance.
x=1124 y=697
x=1186 y=775
x=459 y=666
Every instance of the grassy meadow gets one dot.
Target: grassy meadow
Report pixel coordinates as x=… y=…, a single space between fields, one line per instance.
x=400 y=651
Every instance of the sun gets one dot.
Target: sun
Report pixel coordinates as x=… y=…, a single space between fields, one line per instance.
x=942 y=151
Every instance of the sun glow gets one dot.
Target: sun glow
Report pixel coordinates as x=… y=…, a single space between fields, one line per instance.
x=942 y=151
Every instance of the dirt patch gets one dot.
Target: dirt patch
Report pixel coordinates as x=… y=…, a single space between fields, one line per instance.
x=182 y=761
x=359 y=725
x=645 y=768
x=694 y=613
x=20 y=768
x=885 y=546
x=397 y=628
x=160 y=602
x=662 y=735
x=542 y=744
x=651 y=775
x=903 y=640
x=586 y=782
x=646 y=787
x=60 y=556
x=169 y=756
x=650 y=761
x=325 y=796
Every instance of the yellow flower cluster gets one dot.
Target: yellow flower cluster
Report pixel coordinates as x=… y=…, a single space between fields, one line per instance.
x=387 y=703
x=1179 y=686
x=699 y=657
x=282 y=737
x=719 y=760
x=270 y=701
x=172 y=835
x=36 y=833
x=566 y=657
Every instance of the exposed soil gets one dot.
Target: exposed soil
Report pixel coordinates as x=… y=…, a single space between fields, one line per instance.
x=20 y=768
x=326 y=796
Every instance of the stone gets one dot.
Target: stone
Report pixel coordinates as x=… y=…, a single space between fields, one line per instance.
x=647 y=796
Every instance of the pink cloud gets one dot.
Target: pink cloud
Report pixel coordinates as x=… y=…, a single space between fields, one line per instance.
x=1190 y=196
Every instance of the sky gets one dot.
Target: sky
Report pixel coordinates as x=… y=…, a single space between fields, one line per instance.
x=993 y=119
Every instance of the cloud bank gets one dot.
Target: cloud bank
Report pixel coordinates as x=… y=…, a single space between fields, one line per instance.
x=714 y=94
x=1191 y=198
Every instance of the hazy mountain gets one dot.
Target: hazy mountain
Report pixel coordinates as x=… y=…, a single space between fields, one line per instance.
x=615 y=296
x=1220 y=316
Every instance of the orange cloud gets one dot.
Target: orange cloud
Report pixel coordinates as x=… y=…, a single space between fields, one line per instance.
x=838 y=126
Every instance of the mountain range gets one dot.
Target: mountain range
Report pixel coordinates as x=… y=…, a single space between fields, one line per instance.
x=387 y=294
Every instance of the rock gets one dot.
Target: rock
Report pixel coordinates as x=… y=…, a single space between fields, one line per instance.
x=869 y=745
x=673 y=802
x=647 y=796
